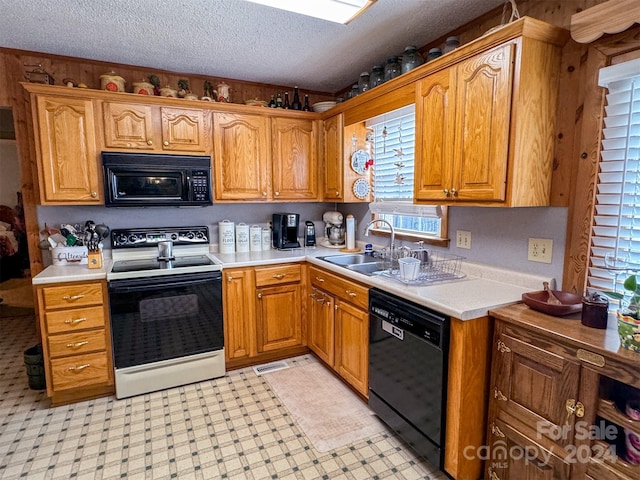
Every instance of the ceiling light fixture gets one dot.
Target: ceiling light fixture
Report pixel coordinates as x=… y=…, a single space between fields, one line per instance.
x=339 y=11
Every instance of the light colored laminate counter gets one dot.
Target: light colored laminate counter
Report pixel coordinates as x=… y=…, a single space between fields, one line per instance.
x=483 y=288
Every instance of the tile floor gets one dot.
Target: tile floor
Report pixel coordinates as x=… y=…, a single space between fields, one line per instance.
x=229 y=428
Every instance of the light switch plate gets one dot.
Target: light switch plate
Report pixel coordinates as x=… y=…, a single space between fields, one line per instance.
x=463 y=239
x=540 y=250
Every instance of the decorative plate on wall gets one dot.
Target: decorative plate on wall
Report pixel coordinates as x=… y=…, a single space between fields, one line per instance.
x=359 y=161
x=361 y=188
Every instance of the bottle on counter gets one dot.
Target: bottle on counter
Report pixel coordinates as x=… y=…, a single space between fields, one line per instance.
x=296 y=105
x=306 y=107
x=377 y=76
x=392 y=68
x=286 y=105
x=411 y=59
x=272 y=102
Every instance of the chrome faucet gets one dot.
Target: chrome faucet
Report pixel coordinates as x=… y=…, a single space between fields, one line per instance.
x=392 y=240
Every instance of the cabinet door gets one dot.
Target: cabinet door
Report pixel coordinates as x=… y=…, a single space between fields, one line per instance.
x=320 y=309
x=435 y=119
x=185 y=129
x=333 y=158
x=237 y=294
x=483 y=118
x=517 y=455
x=352 y=346
x=532 y=385
x=279 y=318
x=68 y=155
x=295 y=159
x=129 y=126
x=241 y=156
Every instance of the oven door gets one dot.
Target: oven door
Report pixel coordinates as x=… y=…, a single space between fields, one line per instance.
x=166 y=317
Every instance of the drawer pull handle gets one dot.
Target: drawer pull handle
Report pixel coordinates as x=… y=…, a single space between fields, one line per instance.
x=350 y=293
x=496 y=431
x=320 y=279
x=77 y=345
x=72 y=298
x=79 y=368
x=75 y=321
x=279 y=276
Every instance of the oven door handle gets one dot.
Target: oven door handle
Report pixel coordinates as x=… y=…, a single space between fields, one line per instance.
x=136 y=286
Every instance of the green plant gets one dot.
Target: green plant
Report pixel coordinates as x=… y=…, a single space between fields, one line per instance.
x=632 y=308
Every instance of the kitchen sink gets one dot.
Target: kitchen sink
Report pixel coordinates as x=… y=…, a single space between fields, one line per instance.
x=369 y=268
x=349 y=260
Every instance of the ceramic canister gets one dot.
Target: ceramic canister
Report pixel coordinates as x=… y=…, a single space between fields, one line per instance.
x=255 y=238
x=242 y=237
x=266 y=238
x=226 y=236
x=143 y=88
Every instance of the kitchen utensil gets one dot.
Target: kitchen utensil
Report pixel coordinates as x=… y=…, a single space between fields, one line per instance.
x=102 y=230
x=551 y=300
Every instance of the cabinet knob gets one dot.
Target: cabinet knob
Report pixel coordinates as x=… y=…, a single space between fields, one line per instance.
x=446 y=192
x=94 y=194
x=79 y=368
x=229 y=278
x=496 y=431
x=149 y=142
x=320 y=279
x=279 y=276
x=350 y=293
x=77 y=345
x=68 y=321
x=498 y=395
x=260 y=296
x=72 y=298
x=165 y=143
x=328 y=304
x=502 y=347
x=492 y=474
x=264 y=194
x=312 y=295
x=277 y=194
x=337 y=193
x=454 y=192
x=574 y=407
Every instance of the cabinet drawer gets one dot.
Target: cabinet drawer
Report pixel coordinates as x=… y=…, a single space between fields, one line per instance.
x=65 y=321
x=277 y=275
x=342 y=288
x=72 y=295
x=80 y=371
x=75 y=343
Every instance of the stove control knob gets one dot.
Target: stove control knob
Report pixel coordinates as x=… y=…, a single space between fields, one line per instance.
x=121 y=239
x=133 y=238
x=190 y=235
x=174 y=236
x=199 y=235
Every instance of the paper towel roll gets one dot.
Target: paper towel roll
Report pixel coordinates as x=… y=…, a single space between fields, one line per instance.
x=351 y=232
x=242 y=237
x=226 y=236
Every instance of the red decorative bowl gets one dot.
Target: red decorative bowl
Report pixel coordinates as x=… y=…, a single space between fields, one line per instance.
x=571 y=302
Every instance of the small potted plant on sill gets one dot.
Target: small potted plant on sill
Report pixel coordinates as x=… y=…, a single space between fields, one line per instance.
x=629 y=313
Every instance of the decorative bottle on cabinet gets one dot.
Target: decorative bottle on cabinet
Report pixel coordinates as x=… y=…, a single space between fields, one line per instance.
x=377 y=76
x=306 y=106
x=391 y=69
x=296 y=105
x=411 y=59
x=286 y=104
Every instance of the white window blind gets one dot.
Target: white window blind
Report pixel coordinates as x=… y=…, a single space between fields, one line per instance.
x=615 y=240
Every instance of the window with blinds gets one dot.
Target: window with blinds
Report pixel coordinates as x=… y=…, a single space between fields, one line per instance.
x=615 y=240
x=393 y=173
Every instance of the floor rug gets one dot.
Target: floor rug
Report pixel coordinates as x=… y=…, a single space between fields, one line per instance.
x=330 y=414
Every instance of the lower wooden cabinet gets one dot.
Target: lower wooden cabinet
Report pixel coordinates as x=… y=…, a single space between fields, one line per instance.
x=76 y=340
x=338 y=321
x=264 y=314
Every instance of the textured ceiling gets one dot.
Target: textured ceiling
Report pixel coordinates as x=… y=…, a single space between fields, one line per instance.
x=231 y=38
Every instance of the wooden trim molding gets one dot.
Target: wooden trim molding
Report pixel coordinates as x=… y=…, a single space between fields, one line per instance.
x=586 y=150
x=614 y=16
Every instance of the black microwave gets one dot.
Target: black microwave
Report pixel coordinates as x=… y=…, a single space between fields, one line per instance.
x=156 y=180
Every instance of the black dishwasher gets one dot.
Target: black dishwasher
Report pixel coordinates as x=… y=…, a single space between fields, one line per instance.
x=408 y=353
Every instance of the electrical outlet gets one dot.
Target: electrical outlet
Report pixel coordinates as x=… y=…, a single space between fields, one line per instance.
x=540 y=250
x=463 y=239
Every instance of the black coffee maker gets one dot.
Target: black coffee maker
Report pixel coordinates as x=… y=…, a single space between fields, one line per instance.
x=285 y=230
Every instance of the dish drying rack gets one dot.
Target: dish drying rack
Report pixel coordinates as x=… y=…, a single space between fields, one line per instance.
x=434 y=266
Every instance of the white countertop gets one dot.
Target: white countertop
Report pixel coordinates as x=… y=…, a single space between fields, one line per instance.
x=483 y=288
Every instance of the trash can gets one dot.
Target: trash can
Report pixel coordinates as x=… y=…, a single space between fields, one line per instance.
x=34 y=362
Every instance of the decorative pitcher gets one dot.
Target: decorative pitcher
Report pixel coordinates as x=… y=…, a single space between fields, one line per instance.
x=223 y=92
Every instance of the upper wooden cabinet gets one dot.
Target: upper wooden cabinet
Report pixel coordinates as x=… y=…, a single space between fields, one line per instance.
x=65 y=141
x=485 y=127
x=133 y=126
x=260 y=158
x=241 y=160
x=294 y=158
x=332 y=129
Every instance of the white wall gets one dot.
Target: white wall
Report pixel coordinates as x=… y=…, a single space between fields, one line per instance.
x=9 y=173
